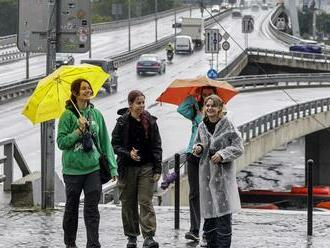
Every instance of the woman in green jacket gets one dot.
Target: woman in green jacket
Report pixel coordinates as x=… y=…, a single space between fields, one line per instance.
x=81 y=163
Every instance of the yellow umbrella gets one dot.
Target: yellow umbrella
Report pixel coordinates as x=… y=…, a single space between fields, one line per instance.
x=48 y=99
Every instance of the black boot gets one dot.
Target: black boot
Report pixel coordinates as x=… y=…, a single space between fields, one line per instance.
x=131 y=242
x=149 y=242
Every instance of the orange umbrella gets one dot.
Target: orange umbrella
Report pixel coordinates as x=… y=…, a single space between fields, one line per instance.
x=179 y=89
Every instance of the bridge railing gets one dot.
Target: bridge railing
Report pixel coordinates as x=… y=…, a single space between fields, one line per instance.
x=11 y=154
x=275 y=119
x=315 y=57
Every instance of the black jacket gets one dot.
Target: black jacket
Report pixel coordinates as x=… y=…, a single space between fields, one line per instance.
x=120 y=143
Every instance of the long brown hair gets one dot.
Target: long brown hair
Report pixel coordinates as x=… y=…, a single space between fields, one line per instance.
x=144 y=116
x=75 y=88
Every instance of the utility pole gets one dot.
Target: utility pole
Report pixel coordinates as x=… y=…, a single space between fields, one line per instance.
x=156 y=19
x=48 y=127
x=129 y=25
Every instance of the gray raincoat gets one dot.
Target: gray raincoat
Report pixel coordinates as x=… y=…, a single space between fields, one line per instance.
x=217 y=183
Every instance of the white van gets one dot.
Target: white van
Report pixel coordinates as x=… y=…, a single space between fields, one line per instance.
x=183 y=44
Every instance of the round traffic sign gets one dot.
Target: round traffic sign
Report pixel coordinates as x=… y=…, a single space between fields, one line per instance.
x=212 y=73
x=225 y=45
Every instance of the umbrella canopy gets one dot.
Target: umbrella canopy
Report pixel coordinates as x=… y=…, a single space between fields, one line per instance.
x=179 y=89
x=48 y=99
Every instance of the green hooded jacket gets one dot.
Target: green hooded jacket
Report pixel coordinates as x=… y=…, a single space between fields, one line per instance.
x=75 y=160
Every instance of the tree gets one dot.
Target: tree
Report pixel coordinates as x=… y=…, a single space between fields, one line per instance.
x=8 y=17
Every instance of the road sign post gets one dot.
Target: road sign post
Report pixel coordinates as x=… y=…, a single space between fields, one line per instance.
x=48 y=128
x=247 y=27
x=52 y=26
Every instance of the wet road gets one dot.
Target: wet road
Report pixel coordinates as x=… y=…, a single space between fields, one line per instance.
x=251 y=229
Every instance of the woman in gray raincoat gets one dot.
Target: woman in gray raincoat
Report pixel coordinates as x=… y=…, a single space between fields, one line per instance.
x=217 y=144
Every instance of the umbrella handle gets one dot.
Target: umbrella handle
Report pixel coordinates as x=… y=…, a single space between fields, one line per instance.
x=74 y=105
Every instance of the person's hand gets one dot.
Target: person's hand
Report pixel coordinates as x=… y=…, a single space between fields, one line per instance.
x=134 y=154
x=197 y=150
x=114 y=178
x=82 y=123
x=156 y=177
x=216 y=158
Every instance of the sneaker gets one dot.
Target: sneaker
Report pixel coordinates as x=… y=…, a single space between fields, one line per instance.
x=149 y=242
x=192 y=236
x=203 y=243
x=131 y=242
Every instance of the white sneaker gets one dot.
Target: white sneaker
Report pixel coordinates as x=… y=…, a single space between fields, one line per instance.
x=202 y=243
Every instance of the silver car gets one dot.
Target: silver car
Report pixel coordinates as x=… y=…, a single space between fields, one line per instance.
x=150 y=63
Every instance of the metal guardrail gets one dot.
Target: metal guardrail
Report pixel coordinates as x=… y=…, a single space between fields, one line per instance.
x=11 y=153
x=273 y=120
x=10 y=40
x=315 y=57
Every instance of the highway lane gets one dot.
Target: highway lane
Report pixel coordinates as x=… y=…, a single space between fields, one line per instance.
x=104 y=44
x=174 y=129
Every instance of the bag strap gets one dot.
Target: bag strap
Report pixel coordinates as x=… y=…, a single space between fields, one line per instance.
x=74 y=111
x=93 y=137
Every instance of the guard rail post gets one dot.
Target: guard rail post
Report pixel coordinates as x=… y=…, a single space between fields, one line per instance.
x=177 y=192
x=310 y=164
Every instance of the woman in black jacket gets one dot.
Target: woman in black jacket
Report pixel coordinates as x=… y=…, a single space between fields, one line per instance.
x=137 y=143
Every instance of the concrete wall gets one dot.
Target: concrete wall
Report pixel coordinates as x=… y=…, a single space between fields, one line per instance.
x=293 y=63
x=258 y=147
x=317 y=147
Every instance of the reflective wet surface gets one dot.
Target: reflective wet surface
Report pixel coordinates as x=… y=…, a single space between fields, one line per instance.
x=251 y=229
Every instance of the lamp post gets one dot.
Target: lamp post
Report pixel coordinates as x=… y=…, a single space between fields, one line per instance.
x=129 y=25
x=156 y=10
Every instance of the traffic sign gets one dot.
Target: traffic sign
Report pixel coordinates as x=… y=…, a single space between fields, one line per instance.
x=73 y=25
x=226 y=36
x=225 y=45
x=212 y=40
x=247 y=24
x=212 y=73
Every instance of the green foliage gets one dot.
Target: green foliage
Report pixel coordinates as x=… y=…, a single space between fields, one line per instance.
x=306 y=23
x=8 y=17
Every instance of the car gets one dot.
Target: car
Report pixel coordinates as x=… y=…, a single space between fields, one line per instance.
x=111 y=84
x=184 y=44
x=150 y=63
x=215 y=9
x=236 y=14
x=306 y=48
x=264 y=6
x=178 y=23
x=254 y=7
x=64 y=59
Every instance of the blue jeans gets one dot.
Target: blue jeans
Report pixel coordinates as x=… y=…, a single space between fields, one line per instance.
x=217 y=231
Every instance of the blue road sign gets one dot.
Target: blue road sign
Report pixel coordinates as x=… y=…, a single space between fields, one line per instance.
x=212 y=73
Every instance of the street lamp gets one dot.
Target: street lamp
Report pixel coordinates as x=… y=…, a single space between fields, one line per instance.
x=129 y=25
x=156 y=10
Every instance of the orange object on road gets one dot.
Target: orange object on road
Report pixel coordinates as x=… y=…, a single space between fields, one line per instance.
x=179 y=89
x=269 y=206
x=325 y=205
x=318 y=190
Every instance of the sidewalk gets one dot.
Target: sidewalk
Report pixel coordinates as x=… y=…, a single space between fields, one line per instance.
x=251 y=229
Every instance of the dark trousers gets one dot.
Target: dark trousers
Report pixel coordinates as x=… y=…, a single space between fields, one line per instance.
x=74 y=184
x=194 y=204
x=136 y=189
x=217 y=232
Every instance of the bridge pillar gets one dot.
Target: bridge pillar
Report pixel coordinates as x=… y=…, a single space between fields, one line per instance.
x=294 y=18
x=317 y=147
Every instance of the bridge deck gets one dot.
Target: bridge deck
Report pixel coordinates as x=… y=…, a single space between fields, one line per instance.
x=251 y=229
